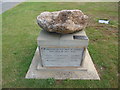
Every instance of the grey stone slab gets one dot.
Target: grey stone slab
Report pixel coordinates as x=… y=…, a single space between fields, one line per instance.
x=47 y=36
x=61 y=57
x=81 y=67
x=53 y=39
x=44 y=73
x=40 y=68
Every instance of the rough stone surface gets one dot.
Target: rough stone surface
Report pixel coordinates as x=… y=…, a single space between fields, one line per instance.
x=64 y=21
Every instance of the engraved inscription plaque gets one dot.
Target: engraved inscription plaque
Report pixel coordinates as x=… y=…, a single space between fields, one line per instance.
x=60 y=57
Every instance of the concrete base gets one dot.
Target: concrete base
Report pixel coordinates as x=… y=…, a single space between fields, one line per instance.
x=87 y=71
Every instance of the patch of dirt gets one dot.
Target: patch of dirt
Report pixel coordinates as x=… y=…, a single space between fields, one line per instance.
x=110 y=31
x=59 y=82
x=93 y=40
x=93 y=21
x=103 y=68
x=106 y=29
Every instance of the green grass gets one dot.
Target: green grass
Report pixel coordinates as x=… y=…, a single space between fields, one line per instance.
x=19 y=31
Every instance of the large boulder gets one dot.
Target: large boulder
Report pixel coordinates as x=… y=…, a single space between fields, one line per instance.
x=64 y=21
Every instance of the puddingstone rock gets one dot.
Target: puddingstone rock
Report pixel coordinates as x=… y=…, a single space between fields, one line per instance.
x=64 y=21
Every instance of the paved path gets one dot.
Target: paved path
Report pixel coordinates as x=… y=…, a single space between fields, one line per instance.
x=8 y=4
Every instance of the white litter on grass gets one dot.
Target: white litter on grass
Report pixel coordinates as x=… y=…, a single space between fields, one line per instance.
x=104 y=21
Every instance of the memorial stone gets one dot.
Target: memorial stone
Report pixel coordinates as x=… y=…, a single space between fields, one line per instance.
x=62 y=47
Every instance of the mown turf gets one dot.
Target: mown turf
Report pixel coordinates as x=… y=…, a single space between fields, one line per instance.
x=19 y=30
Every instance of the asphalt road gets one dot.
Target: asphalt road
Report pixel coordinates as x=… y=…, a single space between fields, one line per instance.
x=8 y=4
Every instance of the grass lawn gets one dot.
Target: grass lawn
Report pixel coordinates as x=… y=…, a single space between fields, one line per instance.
x=20 y=31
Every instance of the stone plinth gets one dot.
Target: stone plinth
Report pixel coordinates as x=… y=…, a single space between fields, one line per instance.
x=58 y=50
x=62 y=57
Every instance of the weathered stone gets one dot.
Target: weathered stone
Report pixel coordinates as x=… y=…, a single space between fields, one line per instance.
x=65 y=21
